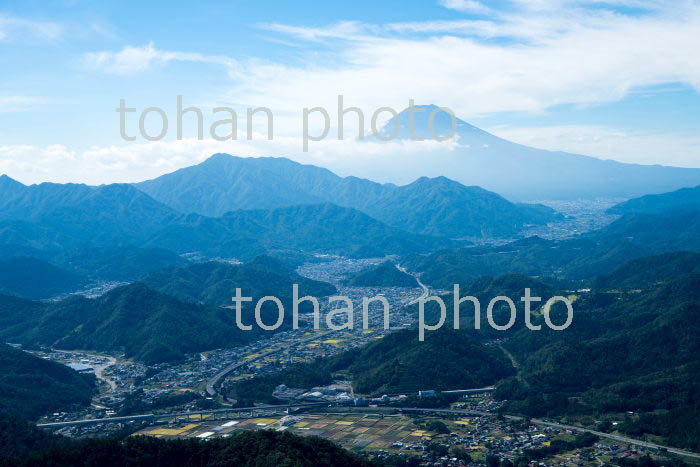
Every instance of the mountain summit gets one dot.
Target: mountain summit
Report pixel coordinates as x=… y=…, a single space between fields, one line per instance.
x=424 y=117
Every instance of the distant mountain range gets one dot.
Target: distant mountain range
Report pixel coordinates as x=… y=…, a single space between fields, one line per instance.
x=437 y=207
x=76 y=217
x=513 y=170
x=685 y=199
x=238 y=207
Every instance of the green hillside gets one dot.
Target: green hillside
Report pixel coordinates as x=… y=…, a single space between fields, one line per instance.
x=399 y=362
x=117 y=263
x=216 y=282
x=429 y=206
x=36 y=279
x=625 y=351
x=647 y=271
x=685 y=199
x=145 y=324
x=583 y=257
x=245 y=449
x=31 y=386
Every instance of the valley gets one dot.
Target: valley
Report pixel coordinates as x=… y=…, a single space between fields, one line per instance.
x=151 y=327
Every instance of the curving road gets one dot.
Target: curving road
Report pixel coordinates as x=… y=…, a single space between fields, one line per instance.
x=426 y=290
x=214 y=380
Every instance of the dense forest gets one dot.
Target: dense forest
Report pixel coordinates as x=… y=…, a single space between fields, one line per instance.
x=35 y=278
x=447 y=359
x=625 y=351
x=397 y=363
x=143 y=323
x=385 y=274
x=215 y=283
x=23 y=445
x=31 y=386
x=582 y=257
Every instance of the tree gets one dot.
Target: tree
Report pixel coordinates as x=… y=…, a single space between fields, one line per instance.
x=436 y=426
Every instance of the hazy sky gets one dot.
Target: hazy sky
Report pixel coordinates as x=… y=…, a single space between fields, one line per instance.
x=616 y=79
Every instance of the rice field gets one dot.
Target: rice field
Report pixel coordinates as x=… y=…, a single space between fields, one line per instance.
x=352 y=431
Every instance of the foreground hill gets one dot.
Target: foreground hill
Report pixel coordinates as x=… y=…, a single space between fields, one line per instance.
x=438 y=207
x=31 y=386
x=385 y=274
x=145 y=324
x=245 y=449
x=215 y=283
x=685 y=199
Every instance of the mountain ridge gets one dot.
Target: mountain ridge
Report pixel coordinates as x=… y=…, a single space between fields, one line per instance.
x=428 y=206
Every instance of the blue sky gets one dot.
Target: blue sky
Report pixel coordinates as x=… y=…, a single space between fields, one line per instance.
x=615 y=79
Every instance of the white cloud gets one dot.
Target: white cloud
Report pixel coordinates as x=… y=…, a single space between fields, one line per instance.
x=341 y=30
x=544 y=60
x=140 y=161
x=20 y=29
x=554 y=5
x=466 y=6
x=548 y=53
x=19 y=103
x=133 y=60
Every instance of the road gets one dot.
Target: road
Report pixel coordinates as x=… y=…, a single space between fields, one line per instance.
x=622 y=439
x=99 y=369
x=100 y=373
x=464 y=413
x=151 y=416
x=211 y=384
x=426 y=290
x=536 y=421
